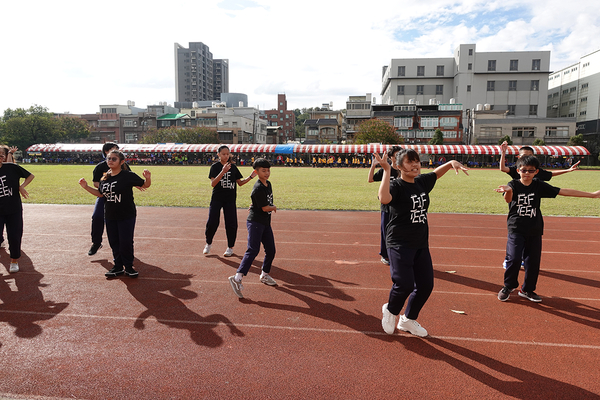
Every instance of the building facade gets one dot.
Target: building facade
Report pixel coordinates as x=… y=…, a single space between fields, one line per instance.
x=284 y=118
x=324 y=126
x=358 y=110
x=199 y=77
x=515 y=82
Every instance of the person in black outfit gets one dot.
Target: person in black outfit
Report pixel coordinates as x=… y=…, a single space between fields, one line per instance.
x=98 y=215
x=116 y=186
x=11 y=207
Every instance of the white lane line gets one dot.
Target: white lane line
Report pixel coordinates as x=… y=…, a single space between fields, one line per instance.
x=308 y=329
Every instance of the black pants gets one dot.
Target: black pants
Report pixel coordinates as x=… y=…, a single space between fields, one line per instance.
x=230 y=216
x=120 y=238
x=14 y=232
x=529 y=250
x=98 y=221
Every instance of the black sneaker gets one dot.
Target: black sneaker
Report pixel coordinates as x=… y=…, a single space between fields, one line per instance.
x=114 y=272
x=504 y=294
x=130 y=272
x=531 y=296
x=94 y=249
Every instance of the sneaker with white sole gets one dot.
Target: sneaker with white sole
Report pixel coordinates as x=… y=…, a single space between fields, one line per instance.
x=228 y=252
x=14 y=267
x=412 y=326
x=206 y=249
x=236 y=286
x=267 y=280
x=530 y=296
x=388 y=321
x=504 y=293
x=385 y=261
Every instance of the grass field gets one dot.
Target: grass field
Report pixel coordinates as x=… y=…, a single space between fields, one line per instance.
x=312 y=189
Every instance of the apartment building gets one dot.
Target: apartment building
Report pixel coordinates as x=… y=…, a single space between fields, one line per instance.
x=515 y=82
x=284 y=118
x=574 y=92
x=324 y=126
x=358 y=110
x=199 y=77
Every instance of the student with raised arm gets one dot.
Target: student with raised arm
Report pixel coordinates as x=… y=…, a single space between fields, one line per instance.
x=407 y=238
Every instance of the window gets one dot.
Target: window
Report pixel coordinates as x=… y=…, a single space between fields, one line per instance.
x=468 y=88
x=557 y=131
x=523 y=132
x=512 y=86
x=490 y=131
x=400 y=91
x=491 y=65
x=535 y=64
x=109 y=111
x=535 y=86
x=449 y=122
x=491 y=86
x=511 y=109
x=533 y=109
x=440 y=70
x=566 y=91
x=439 y=89
x=421 y=70
x=403 y=122
x=583 y=113
x=419 y=89
x=584 y=86
x=514 y=65
x=470 y=66
x=470 y=52
x=401 y=70
x=555 y=94
x=571 y=115
x=429 y=122
x=571 y=102
x=583 y=99
x=573 y=89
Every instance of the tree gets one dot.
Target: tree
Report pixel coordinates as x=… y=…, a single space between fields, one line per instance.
x=301 y=116
x=506 y=139
x=576 y=140
x=438 y=137
x=538 y=142
x=74 y=129
x=23 y=128
x=377 y=131
x=196 y=135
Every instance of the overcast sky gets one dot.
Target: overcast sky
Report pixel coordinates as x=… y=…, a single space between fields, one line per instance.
x=75 y=55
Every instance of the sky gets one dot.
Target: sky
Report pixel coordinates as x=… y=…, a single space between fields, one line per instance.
x=73 y=56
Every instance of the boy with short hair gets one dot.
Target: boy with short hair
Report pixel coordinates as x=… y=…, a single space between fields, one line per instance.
x=526 y=226
x=259 y=229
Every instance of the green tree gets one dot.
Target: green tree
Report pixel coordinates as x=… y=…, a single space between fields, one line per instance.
x=538 y=142
x=301 y=116
x=172 y=134
x=74 y=129
x=23 y=128
x=377 y=131
x=506 y=139
x=438 y=137
x=576 y=140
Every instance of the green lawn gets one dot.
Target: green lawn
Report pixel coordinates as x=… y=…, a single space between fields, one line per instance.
x=312 y=189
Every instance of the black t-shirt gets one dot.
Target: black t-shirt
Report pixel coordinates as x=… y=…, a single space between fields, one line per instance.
x=542 y=174
x=118 y=193
x=226 y=188
x=408 y=225
x=10 y=197
x=261 y=196
x=100 y=169
x=524 y=214
x=378 y=176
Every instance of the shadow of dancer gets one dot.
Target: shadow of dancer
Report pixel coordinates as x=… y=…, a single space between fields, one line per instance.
x=25 y=307
x=168 y=308
x=521 y=384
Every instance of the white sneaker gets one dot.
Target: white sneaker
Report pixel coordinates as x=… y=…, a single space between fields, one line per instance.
x=206 y=249
x=267 y=280
x=412 y=326
x=14 y=267
x=228 y=252
x=388 y=322
x=236 y=286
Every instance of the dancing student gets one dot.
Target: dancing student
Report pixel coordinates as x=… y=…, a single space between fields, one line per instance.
x=407 y=238
x=224 y=175
x=11 y=207
x=526 y=226
x=385 y=218
x=116 y=186
x=9 y=159
x=259 y=229
x=98 y=214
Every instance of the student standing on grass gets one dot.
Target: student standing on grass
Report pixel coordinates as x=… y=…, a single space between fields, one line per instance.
x=407 y=238
x=543 y=175
x=259 y=229
x=98 y=214
x=385 y=218
x=526 y=226
x=224 y=175
x=11 y=207
x=116 y=186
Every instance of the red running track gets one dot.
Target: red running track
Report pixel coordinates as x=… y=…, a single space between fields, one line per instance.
x=179 y=332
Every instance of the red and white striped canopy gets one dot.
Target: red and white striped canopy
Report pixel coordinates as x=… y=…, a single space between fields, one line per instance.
x=554 y=151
